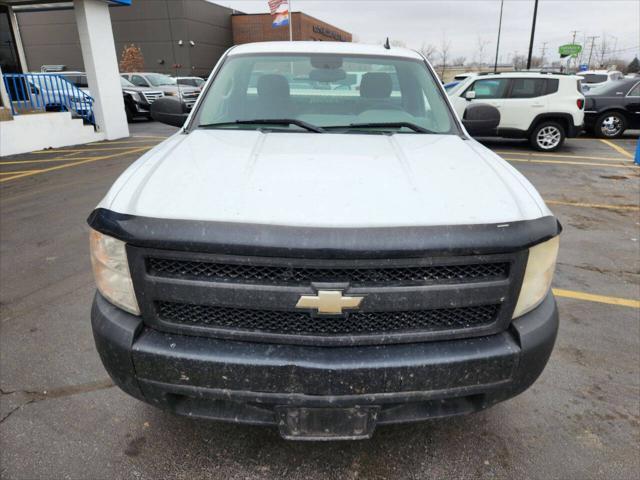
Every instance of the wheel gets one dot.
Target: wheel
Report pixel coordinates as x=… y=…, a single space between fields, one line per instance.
x=547 y=136
x=129 y=114
x=610 y=125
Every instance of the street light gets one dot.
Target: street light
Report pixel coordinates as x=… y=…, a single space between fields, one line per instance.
x=533 y=33
x=495 y=65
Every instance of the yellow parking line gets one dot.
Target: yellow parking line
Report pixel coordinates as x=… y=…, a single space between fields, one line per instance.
x=48 y=160
x=617 y=148
x=564 y=162
x=104 y=149
x=590 y=297
x=18 y=171
x=594 y=205
x=553 y=155
x=68 y=165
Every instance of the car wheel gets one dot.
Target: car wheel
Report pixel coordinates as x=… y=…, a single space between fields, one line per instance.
x=547 y=136
x=610 y=125
x=129 y=114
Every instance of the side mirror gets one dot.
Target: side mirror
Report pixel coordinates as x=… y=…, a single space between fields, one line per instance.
x=470 y=95
x=481 y=119
x=169 y=110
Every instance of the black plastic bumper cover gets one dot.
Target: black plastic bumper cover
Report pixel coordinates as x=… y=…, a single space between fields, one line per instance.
x=248 y=382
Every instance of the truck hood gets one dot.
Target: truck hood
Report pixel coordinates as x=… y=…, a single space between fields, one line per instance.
x=324 y=180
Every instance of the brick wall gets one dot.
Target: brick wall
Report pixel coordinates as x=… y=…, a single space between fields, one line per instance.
x=257 y=28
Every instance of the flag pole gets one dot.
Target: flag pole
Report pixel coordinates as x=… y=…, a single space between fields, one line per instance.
x=290 y=22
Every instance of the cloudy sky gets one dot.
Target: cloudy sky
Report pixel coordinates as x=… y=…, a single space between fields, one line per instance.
x=467 y=22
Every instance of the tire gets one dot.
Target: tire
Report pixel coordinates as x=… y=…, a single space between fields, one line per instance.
x=610 y=125
x=129 y=114
x=547 y=136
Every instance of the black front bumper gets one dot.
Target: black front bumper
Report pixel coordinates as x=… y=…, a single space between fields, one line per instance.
x=252 y=382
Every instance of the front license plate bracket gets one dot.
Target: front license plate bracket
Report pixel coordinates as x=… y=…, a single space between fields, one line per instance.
x=299 y=423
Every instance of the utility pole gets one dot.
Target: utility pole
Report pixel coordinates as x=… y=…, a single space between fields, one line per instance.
x=593 y=41
x=573 y=41
x=543 y=51
x=533 y=33
x=495 y=65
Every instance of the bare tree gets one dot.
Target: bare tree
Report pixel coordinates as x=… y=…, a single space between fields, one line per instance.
x=459 y=60
x=603 y=47
x=519 y=61
x=478 y=56
x=429 y=51
x=445 y=48
x=397 y=43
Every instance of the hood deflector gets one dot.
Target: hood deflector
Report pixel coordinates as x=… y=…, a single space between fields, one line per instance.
x=308 y=242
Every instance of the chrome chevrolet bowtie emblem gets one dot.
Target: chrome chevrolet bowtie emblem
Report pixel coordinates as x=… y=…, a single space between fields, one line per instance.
x=328 y=302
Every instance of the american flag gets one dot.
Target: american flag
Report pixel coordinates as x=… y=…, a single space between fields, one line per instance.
x=275 y=4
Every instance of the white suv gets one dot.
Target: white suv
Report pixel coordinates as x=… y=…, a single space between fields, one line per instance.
x=545 y=108
x=595 y=78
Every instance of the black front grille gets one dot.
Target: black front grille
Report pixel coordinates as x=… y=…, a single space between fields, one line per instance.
x=301 y=323
x=276 y=274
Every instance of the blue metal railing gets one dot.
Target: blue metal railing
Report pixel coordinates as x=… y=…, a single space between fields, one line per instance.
x=48 y=92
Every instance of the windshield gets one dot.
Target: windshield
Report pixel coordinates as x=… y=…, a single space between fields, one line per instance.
x=593 y=78
x=159 y=80
x=327 y=91
x=125 y=83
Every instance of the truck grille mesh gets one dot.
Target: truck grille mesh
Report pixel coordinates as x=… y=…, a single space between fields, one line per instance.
x=275 y=274
x=289 y=322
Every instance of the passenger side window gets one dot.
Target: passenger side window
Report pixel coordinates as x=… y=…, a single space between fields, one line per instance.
x=635 y=91
x=138 y=81
x=489 y=88
x=528 y=87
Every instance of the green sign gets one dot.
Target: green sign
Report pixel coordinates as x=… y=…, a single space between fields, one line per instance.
x=570 y=50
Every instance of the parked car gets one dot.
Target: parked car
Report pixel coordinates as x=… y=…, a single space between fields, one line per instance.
x=613 y=107
x=168 y=85
x=450 y=85
x=64 y=91
x=323 y=261
x=138 y=100
x=544 y=108
x=196 y=82
x=595 y=78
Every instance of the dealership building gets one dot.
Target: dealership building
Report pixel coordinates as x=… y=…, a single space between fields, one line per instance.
x=184 y=37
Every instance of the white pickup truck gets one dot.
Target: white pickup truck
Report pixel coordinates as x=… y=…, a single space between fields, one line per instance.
x=323 y=259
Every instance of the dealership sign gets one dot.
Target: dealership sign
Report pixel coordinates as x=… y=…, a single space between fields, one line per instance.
x=570 y=50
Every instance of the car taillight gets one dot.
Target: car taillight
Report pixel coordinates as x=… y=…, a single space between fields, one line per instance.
x=580 y=103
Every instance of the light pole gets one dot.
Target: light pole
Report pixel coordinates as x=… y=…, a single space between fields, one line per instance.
x=533 y=33
x=495 y=64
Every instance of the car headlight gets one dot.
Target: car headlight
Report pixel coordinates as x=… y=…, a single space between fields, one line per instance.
x=537 y=276
x=111 y=271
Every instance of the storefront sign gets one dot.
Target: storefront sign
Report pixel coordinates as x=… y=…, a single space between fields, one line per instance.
x=329 y=33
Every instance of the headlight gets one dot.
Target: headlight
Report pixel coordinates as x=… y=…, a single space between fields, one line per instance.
x=538 y=275
x=111 y=271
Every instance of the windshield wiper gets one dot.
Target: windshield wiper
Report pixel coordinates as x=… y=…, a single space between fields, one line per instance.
x=268 y=121
x=412 y=126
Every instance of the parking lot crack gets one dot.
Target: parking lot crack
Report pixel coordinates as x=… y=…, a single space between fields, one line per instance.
x=26 y=397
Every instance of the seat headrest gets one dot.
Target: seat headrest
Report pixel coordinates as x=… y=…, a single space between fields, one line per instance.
x=273 y=85
x=376 y=85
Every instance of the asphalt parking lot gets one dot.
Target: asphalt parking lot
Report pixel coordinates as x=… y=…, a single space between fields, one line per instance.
x=61 y=417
